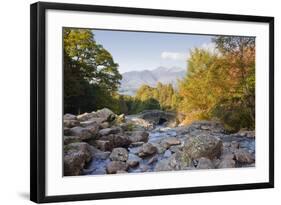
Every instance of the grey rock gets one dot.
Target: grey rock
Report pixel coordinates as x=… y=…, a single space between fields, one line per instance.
x=69 y=117
x=82 y=133
x=114 y=166
x=203 y=146
x=85 y=116
x=70 y=123
x=76 y=155
x=160 y=148
x=205 y=163
x=133 y=160
x=98 y=154
x=103 y=145
x=119 y=154
x=176 y=148
x=104 y=125
x=243 y=156
x=104 y=113
x=117 y=140
x=92 y=121
x=71 y=139
x=226 y=163
x=136 y=144
x=147 y=149
x=108 y=131
x=66 y=131
x=170 y=141
x=246 y=133
x=138 y=136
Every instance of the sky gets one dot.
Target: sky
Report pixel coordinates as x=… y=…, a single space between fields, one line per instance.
x=147 y=51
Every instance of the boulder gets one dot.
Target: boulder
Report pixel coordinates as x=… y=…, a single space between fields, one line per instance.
x=70 y=123
x=76 y=155
x=174 y=162
x=163 y=165
x=103 y=145
x=226 y=163
x=203 y=146
x=93 y=128
x=119 y=154
x=66 y=131
x=69 y=117
x=92 y=121
x=243 y=156
x=98 y=154
x=116 y=166
x=147 y=149
x=117 y=140
x=170 y=141
x=104 y=125
x=85 y=116
x=212 y=126
x=136 y=144
x=70 y=139
x=82 y=133
x=138 y=136
x=178 y=162
x=175 y=148
x=205 y=163
x=160 y=148
x=104 y=113
x=133 y=160
x=127 y=126
x=246 y=133
x=111 y=130
x=121 y=141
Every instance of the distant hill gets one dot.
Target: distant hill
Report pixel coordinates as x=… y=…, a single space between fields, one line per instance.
x=134 y=79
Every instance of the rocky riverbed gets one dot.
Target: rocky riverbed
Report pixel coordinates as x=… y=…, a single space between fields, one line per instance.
x=102 y=142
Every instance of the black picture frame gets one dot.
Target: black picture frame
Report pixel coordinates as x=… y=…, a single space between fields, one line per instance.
x=38 y=100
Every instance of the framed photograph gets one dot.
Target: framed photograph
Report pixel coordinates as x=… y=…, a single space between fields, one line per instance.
x=129 y=102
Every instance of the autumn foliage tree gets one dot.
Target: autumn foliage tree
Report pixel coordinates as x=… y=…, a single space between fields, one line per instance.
x=221 y=85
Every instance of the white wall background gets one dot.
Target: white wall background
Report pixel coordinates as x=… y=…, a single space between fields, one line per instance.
x=14 y=101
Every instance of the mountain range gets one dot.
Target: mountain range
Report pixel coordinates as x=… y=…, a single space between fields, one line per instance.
x=132 y=80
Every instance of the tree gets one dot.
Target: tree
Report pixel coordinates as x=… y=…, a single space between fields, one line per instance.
x=88 y=69
x=239 y=108
x=221 y=85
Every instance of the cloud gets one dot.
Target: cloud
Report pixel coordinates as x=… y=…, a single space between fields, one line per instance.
x=174 y=55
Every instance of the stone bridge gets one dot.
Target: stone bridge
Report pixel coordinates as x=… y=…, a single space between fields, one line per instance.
x=150 y=118
x=158 y=117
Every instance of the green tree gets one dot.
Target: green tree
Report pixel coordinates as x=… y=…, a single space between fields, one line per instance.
x=88 y=69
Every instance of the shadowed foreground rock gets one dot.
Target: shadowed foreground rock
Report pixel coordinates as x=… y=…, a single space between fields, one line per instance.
x=203 y=146
x=75 y=157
